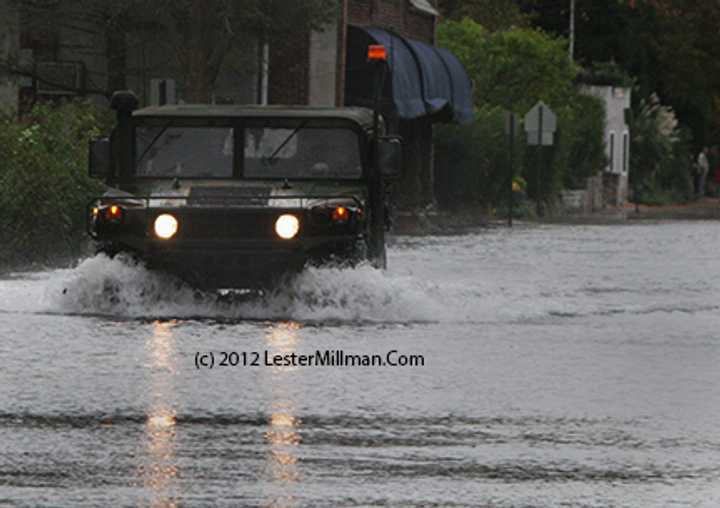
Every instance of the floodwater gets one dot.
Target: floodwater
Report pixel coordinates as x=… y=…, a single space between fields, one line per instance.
x=550 y=366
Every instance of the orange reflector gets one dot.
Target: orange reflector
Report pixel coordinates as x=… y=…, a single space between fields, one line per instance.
x=340 y=214
x=114 y=212
x=377 y=52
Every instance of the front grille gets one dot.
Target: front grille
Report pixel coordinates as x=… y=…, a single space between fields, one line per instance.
x=218 y=196
x=228 y=224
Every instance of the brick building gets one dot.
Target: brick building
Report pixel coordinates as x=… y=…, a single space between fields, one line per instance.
x=425 y=85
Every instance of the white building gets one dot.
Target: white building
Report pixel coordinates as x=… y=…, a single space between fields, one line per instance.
x=617 y=141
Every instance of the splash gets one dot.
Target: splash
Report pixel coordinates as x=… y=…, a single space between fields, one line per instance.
x=122 y=287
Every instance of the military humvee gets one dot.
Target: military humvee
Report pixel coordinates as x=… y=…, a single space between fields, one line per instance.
x=237 y=196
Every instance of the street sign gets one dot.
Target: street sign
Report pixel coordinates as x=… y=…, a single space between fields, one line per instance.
x=540 y=125
x=510 y=123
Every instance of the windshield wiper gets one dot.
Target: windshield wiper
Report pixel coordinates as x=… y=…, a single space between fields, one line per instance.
x=154 y=140
x=268 y=161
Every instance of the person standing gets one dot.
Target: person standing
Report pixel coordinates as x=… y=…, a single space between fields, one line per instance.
x=711 y=182
x=703 y=165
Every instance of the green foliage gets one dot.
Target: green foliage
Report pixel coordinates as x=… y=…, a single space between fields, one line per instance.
x=467 y=40
x=474 y=158
x=493 y=14
x=513 y=70
x=660 y=152
x=660 y=197
x=581 y=145
x=606 y=74
x=44 y=186
x=670 y=46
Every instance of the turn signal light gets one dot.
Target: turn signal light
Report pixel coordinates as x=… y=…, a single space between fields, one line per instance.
x=377 y=53
x=113 y=213
x=340 y=214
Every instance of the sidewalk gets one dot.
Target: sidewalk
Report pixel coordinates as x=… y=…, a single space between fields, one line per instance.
x=472 y=219
x=703 y=209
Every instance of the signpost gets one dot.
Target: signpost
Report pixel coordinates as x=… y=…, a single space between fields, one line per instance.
x=540 y=126
x=510 y=122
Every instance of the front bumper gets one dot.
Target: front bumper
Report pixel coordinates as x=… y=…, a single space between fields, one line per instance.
x=228 y=267
x=218 y=247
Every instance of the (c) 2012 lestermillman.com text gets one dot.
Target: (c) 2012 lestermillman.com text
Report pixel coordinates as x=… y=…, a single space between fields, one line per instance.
x=319 y=358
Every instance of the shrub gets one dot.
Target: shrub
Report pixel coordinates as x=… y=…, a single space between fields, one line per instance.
x=44 y=186
x=512 y=68
x=580 y=149
x=660 y=157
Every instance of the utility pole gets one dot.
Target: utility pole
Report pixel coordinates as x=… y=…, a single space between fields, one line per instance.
x=571 y=50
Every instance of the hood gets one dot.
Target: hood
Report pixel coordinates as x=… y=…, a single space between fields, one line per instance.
x=238 y=193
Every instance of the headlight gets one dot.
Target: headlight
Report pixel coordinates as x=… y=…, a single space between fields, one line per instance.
x=287 y=226
x=166 y=226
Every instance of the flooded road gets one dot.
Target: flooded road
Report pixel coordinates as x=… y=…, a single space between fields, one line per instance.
x=562 y=366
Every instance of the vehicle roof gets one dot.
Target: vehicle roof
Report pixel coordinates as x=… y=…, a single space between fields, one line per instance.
x=361 y=116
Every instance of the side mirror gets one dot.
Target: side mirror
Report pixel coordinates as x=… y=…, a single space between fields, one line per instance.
x=390 y=156
x=99 y=164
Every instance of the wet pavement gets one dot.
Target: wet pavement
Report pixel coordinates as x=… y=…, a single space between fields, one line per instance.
x=561 y=366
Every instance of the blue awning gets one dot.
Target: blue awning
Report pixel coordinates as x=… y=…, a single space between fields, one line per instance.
x=424 y=80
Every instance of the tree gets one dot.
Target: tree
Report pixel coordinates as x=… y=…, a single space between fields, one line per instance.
x=660 y=157
x=670 y=46
x=514 y=68
x=197 y=35
x=494 y=15
x=209 y=29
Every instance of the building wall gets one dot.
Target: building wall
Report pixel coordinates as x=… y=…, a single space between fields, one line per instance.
x=82 y=41
x=323 y=66
x=9 y=46
x=290 y=69
x=309 y=69
x=396 y=15
x=238 y=81
x=303 y=68
x=399 y=16
x=617 y=141
x=150 y=55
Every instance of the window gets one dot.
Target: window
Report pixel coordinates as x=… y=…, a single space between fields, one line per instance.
x=611 y=152
x=184 y=152
x=626 y=152
x=292 y=152
x=303 y=152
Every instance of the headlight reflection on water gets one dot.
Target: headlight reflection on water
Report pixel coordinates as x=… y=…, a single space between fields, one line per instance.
x=283 y=429
x=159 y=469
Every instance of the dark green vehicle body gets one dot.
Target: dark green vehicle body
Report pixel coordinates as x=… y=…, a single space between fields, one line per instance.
x=226 y=174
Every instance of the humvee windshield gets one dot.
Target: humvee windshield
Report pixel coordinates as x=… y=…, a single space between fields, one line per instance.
x=268 y=152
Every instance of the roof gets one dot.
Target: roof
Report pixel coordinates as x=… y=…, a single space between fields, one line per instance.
x=424 y=80
x=360 y=116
